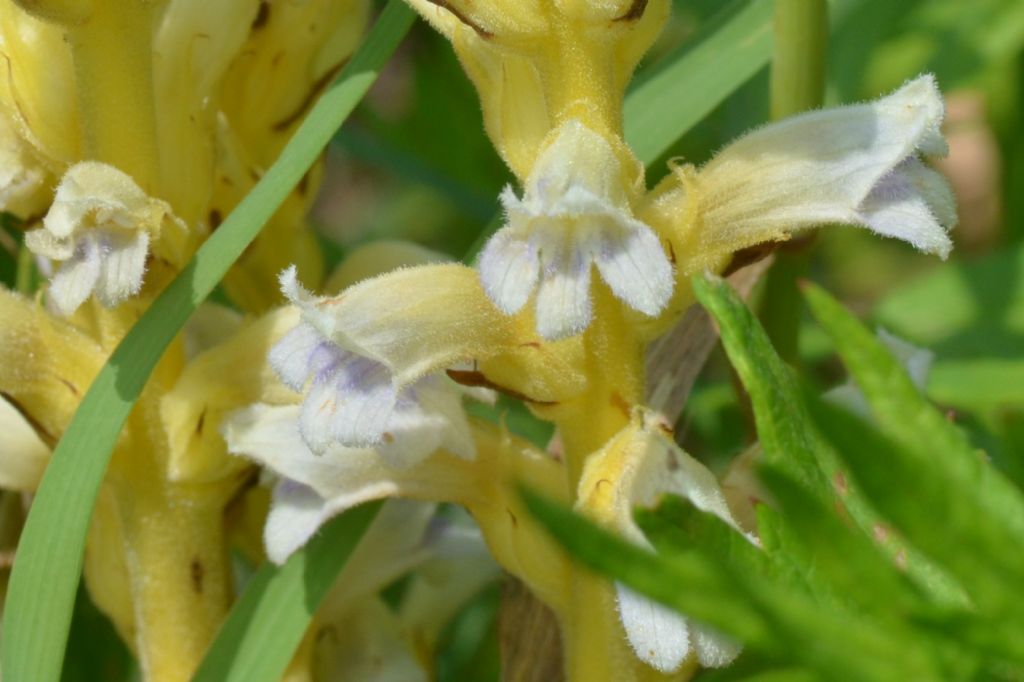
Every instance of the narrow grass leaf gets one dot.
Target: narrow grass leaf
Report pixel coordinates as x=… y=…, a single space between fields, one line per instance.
x=265 y=627
x=38 y=610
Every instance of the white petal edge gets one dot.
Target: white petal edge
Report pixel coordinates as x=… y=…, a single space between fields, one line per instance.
x=633 y=263
x=660 y=637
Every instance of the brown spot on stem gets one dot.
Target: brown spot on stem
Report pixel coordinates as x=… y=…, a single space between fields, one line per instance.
x=262 y=16
x=620 y=404
x=197 y=572
x=839 y=481
x=672 y=254
x=635 y=11
x=512 y=517
x=201 y=422
x=71 y=387
x=215 y=219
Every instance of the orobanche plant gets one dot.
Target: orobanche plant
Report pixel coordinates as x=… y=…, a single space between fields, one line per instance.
x=380 y=371
x=131 y=129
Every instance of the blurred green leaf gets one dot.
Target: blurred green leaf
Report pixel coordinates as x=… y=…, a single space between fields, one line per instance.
x=263 y=630
x=930 y=464
x=782 y=623
x=787 y=434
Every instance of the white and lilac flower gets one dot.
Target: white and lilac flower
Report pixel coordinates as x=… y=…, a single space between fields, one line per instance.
x=574 y=214
x=353 y=400
x=853 y=165
x=636 y=468
x=100 y=228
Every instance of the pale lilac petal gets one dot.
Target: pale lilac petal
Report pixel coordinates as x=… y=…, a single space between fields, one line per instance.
x=563 y=300
x=509 y=269
x=76 y=279
x=124 y=265
x=906 y=204
x=296 y=514
x=290 y=356
x=633 y=263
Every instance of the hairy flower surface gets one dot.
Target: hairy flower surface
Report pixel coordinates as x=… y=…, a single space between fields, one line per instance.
x=574 y=214
x=854 y=165
x=353 y=400
x=636 y=468
x=99 y=228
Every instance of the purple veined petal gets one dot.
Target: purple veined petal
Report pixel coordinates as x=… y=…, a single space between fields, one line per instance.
x=913 y=203
x=660 y=637
x=123 y=267
x=76 y=279
x=509 y=268
x=290 y=357
x=563 y=298
x=633 y=263
x=368 y=399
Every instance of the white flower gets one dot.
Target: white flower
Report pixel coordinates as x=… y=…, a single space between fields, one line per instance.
x=574 y=214
x=853 y=165
x=315 y=487
x=100 y=227
x=354 y=400
x=635 y=468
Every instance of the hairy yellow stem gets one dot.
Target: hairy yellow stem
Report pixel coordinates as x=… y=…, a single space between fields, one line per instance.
x=112 y=52
x=595 y=645
x=179 y=574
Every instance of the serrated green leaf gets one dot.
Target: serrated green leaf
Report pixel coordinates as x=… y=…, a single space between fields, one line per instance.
x=263 y=630
x=930 y=509
x=929 y=463
x=758 y=611
x=787 y=434
x=38 y=611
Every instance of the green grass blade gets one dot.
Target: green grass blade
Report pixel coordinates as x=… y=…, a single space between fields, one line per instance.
x=45 y=574
x=690 y=83
x=264 y=629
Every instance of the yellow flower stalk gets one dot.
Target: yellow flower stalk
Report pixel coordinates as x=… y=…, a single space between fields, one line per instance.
x=128 y=130
x=380 y=371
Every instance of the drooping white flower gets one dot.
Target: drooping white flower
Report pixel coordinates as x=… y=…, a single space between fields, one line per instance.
x=635 y=468
x=853 y=165
x=352 y=399
x=99 y=227
x=574 y=214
